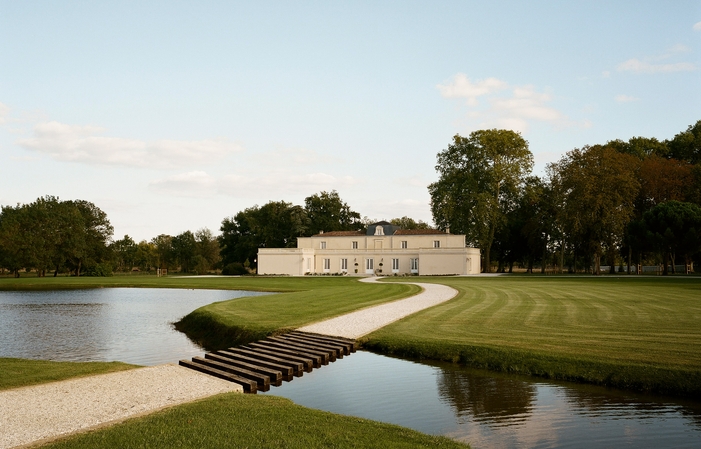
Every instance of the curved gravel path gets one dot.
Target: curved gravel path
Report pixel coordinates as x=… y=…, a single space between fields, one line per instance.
x=43 y=412
x=362 y=322
x=31 y=415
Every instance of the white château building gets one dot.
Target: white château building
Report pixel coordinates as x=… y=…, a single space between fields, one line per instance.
x=383 y=250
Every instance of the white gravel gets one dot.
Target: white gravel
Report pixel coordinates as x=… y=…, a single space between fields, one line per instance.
x=32 y=414
x=362 y=322
x=35 y=414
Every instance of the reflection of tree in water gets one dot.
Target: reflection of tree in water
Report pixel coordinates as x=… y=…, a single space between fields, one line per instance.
x=488 y=398
x=592 y=400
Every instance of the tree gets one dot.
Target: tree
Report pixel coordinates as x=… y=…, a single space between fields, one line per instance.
x=276 y=224
x=686 y=146
x=163 y=250
x=125 y=251
x=409 y=223
x=674 y=228
x=184 y=250
x=479 y=177
x=598 y=185
x=327 y=212
x=206 y=251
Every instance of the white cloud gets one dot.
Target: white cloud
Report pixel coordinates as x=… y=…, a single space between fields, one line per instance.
x=270 y=184
x=638 y=66
x=697 y=26
x=655 y=64
x=191 y=184
x=4 y=112
x=461 y=87
x=84 y=144
x=625 y=98
x=505 y=106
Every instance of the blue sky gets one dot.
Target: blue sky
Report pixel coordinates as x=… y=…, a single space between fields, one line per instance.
x=174 y=115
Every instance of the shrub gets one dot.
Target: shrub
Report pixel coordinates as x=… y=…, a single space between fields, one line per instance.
x=234 y=269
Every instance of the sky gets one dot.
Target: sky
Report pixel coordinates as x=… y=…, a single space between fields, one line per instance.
x=171 y=116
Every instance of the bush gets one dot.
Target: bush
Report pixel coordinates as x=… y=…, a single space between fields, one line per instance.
x=99 y=270
x=234 y=269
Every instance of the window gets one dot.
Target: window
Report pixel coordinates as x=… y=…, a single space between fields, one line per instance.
x=369 y=264
x=395 y=264
x=436 y=243
x=327 y=264
x=414 y=265
x=355 y=245
x=323 y=245
x=404 y=244
x=344 y=264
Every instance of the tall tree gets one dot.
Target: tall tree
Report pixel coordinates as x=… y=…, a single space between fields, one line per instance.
x=686 y=146
x=599 y=186
x=327 y=212
x=479 y=177
x=674 y=228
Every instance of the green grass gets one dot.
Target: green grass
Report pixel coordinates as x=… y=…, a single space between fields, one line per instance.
x=16 y=373
x=245 y=421
x=638 y=333
x=243 y=320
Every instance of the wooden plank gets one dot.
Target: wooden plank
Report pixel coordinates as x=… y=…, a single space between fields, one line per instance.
x=262 y=381
x=249 y=386
x=262 y=349
x=339 y=340
x=274 y=375
x=323 y=357
x=347 y=346
x=298 y=367
x=280 y=348
x=287 y=371
x=337 y=350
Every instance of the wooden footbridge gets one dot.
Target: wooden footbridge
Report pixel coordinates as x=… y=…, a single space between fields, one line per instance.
x=267 y=362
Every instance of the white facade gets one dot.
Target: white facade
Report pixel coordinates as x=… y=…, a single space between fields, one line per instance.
x=424 y=252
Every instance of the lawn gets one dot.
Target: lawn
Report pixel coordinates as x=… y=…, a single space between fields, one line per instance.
x=16 y=373
x=641 y=333
x=246 y=421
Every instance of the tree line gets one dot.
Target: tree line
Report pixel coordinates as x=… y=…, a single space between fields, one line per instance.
x=76 y=237
x=624 y=202
x=49 y=235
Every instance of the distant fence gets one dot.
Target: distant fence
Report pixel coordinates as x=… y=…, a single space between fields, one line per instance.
x=649 y=269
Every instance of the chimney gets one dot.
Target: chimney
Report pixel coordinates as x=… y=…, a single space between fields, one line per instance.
x=447 y=230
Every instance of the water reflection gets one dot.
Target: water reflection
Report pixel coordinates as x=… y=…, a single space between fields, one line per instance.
x=492 y=400
x=491 y=410
x=130 y=325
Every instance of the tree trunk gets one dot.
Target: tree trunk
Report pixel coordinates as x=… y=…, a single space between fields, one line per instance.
x=56 y=271
x=665 y=264
x=630 y=256
x=562 y=257
x=597 y=264
x=77 y=270
x=487 y=261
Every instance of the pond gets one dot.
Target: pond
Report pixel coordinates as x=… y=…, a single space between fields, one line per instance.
x=131 y=325
x=494 y=411
x=485 y=409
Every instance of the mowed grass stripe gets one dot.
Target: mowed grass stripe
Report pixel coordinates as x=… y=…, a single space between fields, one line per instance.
x=648 y=323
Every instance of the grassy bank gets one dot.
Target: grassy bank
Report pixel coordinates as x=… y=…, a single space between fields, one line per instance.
x=637 y=333
x=243 y=320
x=16 y=373
x=237 y=420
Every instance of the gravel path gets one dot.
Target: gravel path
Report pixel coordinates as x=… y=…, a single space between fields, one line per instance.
x=41 y=412
x=362 y=322
x=30 y=415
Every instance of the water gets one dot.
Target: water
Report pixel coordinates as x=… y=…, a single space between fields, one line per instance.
x=131 y=325
x=490 y=410
x=485 y=409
